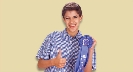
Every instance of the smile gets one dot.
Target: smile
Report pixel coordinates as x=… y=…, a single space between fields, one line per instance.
x=73 y=25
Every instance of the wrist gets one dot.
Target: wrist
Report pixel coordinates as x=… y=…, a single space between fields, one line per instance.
x=52 y=61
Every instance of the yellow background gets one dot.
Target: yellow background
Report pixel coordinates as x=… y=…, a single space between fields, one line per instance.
x=25 y=23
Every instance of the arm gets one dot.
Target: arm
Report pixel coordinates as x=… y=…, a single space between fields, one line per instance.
x=88 y=67
x=43 y=54
x=91 y=64
x=58 y=61
x=43 y=64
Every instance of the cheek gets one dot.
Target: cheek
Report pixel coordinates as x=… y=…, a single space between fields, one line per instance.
x=78 y=22
x=66 y=22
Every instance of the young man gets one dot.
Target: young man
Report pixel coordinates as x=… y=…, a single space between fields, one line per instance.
x=59 y=51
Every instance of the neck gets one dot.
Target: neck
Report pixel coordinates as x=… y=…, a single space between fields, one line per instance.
x=72 y=34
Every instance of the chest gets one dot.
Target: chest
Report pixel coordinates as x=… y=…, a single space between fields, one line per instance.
x=69 y=48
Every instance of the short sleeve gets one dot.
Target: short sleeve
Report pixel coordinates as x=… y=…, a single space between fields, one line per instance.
x=44 y=50
x=94 y=60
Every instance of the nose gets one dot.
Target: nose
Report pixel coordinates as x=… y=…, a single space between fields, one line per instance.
x=72 y=21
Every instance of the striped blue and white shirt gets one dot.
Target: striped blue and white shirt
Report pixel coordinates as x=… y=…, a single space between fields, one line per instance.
x=69 y=47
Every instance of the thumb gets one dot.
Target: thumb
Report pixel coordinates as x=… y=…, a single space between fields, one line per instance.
x=59 y=54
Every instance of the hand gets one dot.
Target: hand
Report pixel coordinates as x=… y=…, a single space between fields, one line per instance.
x=92 y=48
x=59 y=61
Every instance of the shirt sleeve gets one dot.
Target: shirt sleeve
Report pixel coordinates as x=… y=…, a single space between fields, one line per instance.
x=94 y=60
x=44 y=50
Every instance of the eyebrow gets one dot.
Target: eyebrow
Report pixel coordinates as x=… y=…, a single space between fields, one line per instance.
x=73 y=16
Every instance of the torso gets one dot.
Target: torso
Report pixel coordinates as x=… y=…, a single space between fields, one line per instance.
x=69 y=47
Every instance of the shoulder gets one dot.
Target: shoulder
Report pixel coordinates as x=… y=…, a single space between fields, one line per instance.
x=54 y=34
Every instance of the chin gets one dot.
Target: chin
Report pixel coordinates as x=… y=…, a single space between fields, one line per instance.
x=72 y=30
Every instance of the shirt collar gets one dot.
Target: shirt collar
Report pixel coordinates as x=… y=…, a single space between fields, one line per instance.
x=67 y=37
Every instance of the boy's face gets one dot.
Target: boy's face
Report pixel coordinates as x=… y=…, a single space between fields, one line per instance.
x=72 y=20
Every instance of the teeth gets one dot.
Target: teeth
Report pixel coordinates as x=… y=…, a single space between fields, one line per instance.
x=72 y=25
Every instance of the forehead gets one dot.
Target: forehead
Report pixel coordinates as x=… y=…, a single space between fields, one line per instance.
x=71 y=13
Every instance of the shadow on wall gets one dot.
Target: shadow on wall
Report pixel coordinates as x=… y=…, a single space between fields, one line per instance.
x=94 y=71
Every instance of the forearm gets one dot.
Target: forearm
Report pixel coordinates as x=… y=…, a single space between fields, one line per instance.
x=43 y=64
x=88 y=67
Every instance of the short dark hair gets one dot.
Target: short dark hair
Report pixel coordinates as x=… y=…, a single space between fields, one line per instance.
x=71 y=6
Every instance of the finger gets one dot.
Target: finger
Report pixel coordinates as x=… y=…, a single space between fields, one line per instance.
x=62 y=60
x=94 y=43
x=94 y=40
x=61 y=65
x=59 y=54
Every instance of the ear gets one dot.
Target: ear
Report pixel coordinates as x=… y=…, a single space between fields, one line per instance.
x=81 y=18
x=63 y=19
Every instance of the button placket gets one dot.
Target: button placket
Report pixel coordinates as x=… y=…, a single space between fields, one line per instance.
x=67 y=50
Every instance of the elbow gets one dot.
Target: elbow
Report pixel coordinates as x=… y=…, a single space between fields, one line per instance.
x=40 y=66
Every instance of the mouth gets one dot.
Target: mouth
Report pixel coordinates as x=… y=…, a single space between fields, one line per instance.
x=72 y=25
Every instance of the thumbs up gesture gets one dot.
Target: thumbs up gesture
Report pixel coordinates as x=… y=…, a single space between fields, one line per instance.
x=59 y=61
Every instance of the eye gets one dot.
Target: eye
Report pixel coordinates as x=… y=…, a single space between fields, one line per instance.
x=75 y=16
x=67 y=18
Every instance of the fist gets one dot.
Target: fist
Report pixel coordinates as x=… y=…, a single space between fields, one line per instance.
x=59 y=62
